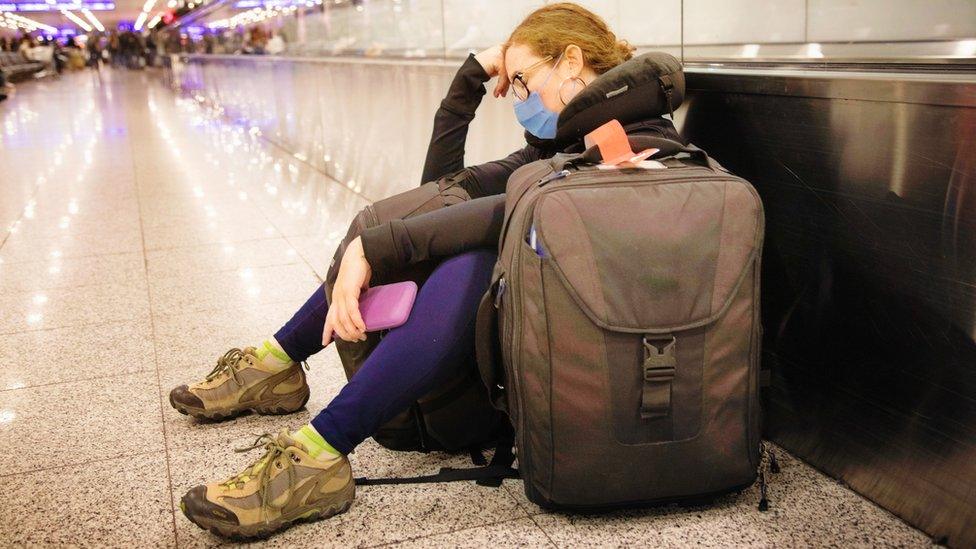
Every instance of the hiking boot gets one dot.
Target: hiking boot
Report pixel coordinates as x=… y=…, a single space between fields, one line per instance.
x=242 y=382
x=283 y=487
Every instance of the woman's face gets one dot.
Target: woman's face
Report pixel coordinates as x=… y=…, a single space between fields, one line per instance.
x=520 y=58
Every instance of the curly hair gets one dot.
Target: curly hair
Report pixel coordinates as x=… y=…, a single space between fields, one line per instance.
x=550 y=29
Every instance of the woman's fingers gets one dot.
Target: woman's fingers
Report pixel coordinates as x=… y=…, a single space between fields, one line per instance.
x=338 y=304
x=501 y=86
x=352 y=307
x=345 y=325
x=327 y=332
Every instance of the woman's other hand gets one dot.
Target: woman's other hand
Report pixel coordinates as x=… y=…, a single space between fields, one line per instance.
x=493 y=61
x=343 y=318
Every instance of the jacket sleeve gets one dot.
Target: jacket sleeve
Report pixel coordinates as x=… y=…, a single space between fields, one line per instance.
x=445 y=154
x=449 y=231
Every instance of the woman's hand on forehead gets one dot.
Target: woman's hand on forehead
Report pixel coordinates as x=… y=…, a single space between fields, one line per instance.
x=493 y=61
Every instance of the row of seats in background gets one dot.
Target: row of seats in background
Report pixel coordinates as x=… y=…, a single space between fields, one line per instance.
x=14 y=67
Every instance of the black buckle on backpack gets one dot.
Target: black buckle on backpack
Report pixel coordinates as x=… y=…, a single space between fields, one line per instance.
x=660 y=361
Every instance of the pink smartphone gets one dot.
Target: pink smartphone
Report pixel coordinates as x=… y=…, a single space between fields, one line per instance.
x=387 y=306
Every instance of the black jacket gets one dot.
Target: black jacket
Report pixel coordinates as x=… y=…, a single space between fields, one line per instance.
x=477 y=223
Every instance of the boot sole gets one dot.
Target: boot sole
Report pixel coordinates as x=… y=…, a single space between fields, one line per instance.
x=258 y=531
x=281 y=406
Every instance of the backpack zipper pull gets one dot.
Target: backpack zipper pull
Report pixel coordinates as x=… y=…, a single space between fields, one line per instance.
x=767 y=460
x=552 y=177
x=498 y=294
x=773 y=464
x=763 y=501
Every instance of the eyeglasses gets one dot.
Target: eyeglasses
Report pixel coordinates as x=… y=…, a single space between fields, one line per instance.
x=519 y=86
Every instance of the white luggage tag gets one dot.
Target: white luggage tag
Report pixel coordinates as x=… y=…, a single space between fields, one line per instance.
x=636 y=162
x=614 y=147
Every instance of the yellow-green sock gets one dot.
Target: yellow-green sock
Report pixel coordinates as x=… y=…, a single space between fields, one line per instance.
x=314 y=442
x=271 y=354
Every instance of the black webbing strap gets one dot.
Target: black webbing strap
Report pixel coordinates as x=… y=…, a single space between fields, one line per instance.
x=477 y=457
x=499 y=469
x=502 y=460
x=491 y=475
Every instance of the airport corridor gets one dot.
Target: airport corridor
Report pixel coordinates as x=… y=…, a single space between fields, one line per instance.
x=141 y=236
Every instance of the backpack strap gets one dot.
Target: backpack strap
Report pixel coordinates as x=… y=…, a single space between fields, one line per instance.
x=484 y=476
x=502 y=461
x=486 y=347
x=499 y=469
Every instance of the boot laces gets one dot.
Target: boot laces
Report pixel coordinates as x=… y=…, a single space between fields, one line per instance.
x=276 y=454
x=229 y=363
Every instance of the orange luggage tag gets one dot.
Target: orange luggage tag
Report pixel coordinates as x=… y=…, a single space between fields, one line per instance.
x=611 y=139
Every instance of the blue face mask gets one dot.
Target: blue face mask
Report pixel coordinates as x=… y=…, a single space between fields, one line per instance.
x=533 y=115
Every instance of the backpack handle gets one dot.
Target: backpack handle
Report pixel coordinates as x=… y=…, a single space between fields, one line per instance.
x=666 y=148
x=669 y=147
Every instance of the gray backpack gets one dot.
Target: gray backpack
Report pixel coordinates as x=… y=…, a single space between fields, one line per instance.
x=621 y=331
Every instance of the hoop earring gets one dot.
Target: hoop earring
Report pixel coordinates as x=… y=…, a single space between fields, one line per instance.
x=582 y=84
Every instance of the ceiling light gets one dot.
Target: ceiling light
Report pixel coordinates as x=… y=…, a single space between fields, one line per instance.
x=77 y=20
x=94 y=20
x=139 y=21
x=26 y=23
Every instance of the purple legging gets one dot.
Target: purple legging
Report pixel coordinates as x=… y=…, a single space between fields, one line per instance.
x=410 y=361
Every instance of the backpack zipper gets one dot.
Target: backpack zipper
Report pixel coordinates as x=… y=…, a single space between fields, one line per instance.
x=597 y=177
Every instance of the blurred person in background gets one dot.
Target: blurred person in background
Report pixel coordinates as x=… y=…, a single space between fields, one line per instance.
x=26 y=45
x=114 y=48
x=140 y=52
x=59 y=54
x=129 y=44
x=75 y=58
x=276 y=45
x=258 y=40
x=94 y=50
x=149 y=50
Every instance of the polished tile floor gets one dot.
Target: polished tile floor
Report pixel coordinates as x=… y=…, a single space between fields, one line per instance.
x=140 y=237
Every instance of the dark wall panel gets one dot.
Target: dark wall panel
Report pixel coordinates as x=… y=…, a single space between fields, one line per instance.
x=869 y=277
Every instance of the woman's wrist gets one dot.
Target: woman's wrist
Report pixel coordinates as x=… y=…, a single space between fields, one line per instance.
x=355 y=250
x=481 y=65
x=467 y=88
